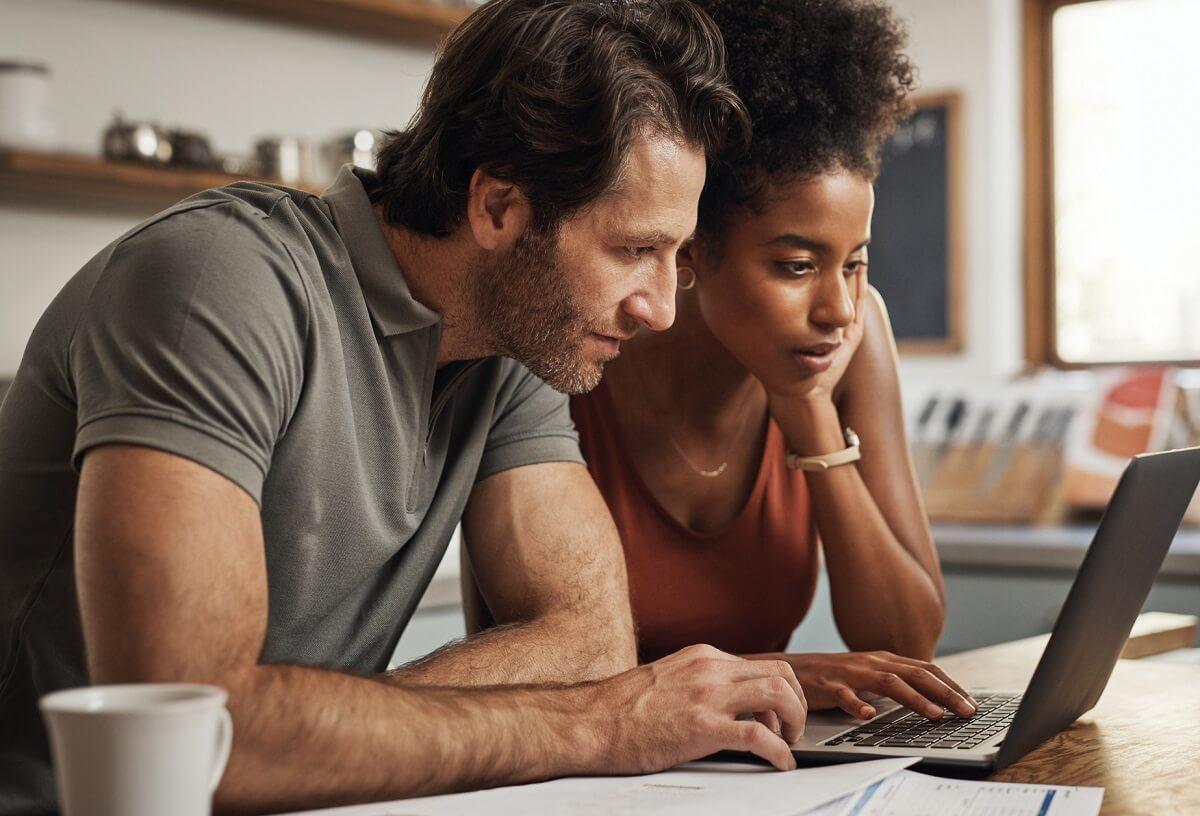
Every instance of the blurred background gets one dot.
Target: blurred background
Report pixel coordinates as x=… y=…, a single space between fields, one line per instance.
x=1034 y=238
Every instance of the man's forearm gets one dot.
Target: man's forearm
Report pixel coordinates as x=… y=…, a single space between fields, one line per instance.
x=305 y=738
x=559 y=648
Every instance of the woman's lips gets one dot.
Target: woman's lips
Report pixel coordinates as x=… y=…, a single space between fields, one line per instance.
x=815 y=359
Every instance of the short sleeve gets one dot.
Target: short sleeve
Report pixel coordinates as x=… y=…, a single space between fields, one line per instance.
x=531 y=424
x=192 y=342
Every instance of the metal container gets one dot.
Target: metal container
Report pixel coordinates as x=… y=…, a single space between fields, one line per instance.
x=136 y=141
x=285 y=158
x=191 y=149
x=356 y=147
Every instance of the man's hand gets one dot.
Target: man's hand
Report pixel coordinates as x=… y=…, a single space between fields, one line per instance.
x=840 y=681
x=686 y=706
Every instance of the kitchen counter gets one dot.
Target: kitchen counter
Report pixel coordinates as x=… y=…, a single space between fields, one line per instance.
x=1057 y=548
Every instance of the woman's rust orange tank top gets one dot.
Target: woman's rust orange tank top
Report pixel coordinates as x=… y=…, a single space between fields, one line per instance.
x=743 y=589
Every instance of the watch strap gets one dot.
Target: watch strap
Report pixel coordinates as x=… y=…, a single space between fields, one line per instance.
x=852 y=453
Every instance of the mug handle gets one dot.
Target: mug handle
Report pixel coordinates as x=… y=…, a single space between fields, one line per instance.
x=224 y=744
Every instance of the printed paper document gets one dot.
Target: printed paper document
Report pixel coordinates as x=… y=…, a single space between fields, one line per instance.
x=694 y=789
x=914 y=794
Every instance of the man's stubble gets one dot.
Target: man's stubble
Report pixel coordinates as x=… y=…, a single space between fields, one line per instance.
x=532 y=314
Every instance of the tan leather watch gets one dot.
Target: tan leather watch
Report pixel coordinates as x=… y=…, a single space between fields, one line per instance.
x=852 y=453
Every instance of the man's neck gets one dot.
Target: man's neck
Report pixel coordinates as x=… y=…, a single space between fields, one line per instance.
x=437 y=271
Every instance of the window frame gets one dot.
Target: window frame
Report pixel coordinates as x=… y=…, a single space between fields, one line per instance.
x=1039 y=230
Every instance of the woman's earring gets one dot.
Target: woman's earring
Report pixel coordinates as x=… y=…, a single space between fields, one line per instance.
x=689 y=282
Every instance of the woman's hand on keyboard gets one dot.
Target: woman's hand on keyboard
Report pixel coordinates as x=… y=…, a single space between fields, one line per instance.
x=843 y=680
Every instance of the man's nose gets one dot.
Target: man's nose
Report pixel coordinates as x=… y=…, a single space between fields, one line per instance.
x=653 y=305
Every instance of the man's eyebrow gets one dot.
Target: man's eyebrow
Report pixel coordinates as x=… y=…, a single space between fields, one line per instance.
x=649 y=237
x=804 y=242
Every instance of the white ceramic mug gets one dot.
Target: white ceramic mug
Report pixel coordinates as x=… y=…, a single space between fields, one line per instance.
x=138 y=750
x=26 y=120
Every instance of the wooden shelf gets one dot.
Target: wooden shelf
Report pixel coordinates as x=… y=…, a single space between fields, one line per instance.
x=386 y=19
x=74 y=181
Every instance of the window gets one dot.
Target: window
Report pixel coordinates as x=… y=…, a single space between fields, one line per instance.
x=1113 y=181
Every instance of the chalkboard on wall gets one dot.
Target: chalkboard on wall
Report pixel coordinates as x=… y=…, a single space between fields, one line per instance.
x=916 y=251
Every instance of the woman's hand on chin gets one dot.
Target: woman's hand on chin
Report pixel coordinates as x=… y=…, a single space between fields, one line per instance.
x=842 y=680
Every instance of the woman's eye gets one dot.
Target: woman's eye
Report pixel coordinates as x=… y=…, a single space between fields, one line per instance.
x=854 y=267
x=799 y=268
x=638 y=251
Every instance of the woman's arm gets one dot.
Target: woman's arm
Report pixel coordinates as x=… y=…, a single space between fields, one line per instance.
x=884 y=576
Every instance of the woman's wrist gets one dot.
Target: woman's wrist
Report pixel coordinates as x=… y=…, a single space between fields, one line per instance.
x=810 y=424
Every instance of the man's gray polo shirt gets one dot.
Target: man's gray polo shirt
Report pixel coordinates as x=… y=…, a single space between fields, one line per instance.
x=269 y=335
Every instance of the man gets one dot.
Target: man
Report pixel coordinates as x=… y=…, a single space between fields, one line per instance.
x=241 y=437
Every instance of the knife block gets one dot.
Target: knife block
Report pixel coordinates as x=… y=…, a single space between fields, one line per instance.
x=1023 y=492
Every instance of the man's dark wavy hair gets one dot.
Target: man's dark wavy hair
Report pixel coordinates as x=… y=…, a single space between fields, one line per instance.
x=825 y=83
x=549 y=95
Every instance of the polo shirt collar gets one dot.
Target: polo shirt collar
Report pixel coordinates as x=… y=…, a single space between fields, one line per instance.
x=389 y=300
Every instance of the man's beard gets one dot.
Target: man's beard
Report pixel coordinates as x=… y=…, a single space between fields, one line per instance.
x=531 y=314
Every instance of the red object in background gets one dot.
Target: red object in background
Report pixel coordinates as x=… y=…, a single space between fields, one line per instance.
x=1127 y=418
x=1131 y=414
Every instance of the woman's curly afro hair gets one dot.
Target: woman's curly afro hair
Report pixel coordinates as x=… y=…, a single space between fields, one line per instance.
x=825 y=82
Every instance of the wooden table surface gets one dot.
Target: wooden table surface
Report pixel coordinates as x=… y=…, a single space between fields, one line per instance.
x=1141 y=742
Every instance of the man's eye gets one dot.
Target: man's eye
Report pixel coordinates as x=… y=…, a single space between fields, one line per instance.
x=638 y=251
x=854 y=267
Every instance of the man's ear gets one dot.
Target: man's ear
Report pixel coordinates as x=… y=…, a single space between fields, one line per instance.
x=497 y=211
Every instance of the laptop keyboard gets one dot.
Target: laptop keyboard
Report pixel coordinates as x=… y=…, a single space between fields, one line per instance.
x=904 y=728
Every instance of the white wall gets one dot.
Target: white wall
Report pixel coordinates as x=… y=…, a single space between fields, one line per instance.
x=238 y=78
x=235 y=78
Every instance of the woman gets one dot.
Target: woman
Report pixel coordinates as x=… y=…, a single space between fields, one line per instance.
x=779 y=348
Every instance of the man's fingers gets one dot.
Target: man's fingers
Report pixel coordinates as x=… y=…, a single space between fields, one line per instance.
x=852 y=704
x=751 y=736
x=753 y=669
x=768 y=718
x=770 y=694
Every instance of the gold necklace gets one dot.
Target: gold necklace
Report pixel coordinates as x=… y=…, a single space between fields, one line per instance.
x=720 y=469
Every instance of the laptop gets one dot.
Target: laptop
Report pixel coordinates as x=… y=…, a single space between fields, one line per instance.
x=1118 y=570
